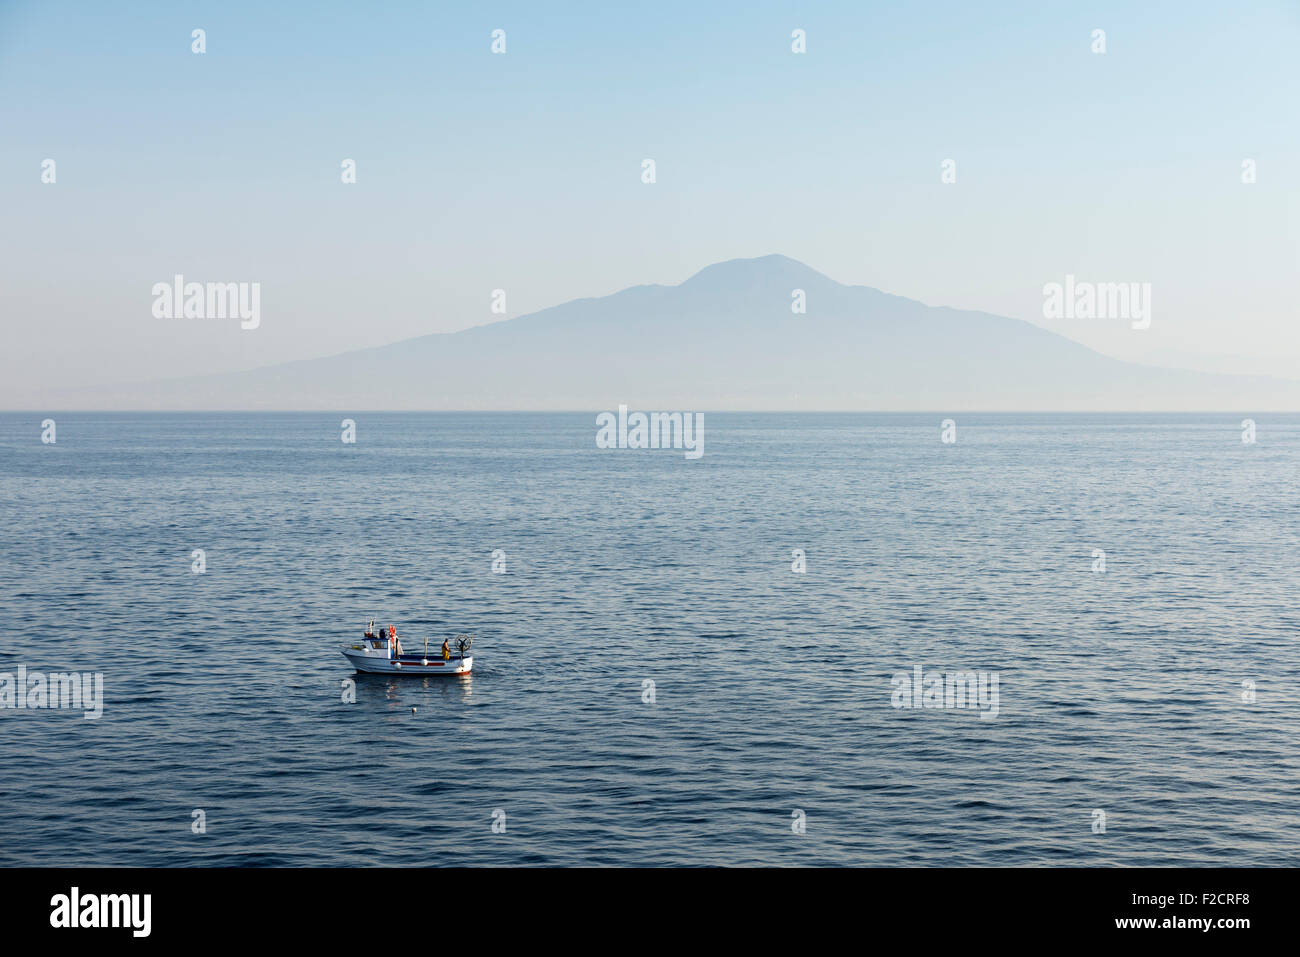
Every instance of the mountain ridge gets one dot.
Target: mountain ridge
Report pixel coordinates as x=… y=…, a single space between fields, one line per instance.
x=725 y=338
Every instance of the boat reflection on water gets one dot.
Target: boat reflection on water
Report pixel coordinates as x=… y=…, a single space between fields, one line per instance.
x=412 y=690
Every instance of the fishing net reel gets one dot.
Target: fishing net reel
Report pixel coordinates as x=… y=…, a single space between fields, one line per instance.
x=463 y=643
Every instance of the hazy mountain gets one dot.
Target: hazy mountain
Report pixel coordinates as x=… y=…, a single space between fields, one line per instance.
x=724 y=339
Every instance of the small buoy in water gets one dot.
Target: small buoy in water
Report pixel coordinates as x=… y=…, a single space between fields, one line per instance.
x=412 y=711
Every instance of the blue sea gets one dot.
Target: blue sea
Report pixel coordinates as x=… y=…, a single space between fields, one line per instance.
x=654 y=682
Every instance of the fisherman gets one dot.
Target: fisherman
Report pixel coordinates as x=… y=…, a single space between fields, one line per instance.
x=397 y=643
x=446 y=649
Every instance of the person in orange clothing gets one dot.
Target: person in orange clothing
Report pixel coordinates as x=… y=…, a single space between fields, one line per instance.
x=446 y=649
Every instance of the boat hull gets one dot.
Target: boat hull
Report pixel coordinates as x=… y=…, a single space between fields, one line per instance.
x=408 y=664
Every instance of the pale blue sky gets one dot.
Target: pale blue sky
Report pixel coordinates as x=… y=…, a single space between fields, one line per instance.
x=522 y=171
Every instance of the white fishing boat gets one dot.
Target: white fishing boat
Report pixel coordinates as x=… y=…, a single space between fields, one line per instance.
x=381 y=652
